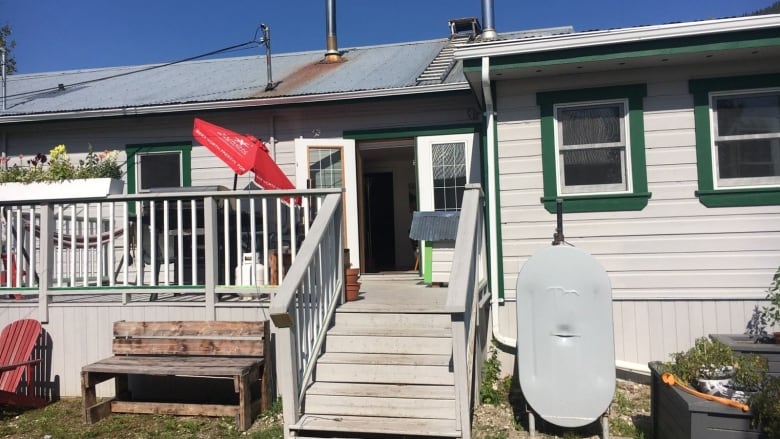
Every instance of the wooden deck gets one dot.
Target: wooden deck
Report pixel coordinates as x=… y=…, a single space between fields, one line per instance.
x=396 y=292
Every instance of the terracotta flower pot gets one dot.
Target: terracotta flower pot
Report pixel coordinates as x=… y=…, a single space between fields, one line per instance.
x=353 y=291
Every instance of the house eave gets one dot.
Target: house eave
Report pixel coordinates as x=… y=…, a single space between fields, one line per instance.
x=233 y=104
x=617 y=36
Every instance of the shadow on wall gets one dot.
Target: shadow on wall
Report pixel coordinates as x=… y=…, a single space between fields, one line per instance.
x=45 y=387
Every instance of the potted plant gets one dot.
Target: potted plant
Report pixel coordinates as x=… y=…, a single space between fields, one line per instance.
x=712 y=367
x=57 y=177
x=771 y=313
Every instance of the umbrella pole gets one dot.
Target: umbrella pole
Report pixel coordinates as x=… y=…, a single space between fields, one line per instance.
x=235 y=181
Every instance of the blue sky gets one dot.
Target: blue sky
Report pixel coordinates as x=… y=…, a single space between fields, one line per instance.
x=77 y=34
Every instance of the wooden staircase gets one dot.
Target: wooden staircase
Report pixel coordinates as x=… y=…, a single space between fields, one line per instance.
x=386 y=371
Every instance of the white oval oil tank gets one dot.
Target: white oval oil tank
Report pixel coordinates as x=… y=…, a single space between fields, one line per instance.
x=565 y=340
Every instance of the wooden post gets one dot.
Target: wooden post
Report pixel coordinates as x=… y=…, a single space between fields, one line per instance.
x=46 y=262
x=212 y=258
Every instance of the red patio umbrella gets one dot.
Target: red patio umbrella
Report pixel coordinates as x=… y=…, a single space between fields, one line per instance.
x=235 y=150
x=243 y=153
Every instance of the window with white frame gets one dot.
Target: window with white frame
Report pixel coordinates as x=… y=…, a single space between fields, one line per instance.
x=592 y=147
x=449 y=175
x=746 y=138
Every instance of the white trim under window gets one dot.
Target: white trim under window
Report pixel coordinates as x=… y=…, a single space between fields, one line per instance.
x=749 y=138
x=599 y=159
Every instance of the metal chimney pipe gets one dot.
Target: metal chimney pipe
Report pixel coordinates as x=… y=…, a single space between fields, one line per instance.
x=2 y=49
x=332 y=53
x=267 y=42
x=488 y=20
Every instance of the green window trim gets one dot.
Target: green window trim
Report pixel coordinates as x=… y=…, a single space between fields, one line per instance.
x=636 y=199
x=186 y=160
x=707 y=194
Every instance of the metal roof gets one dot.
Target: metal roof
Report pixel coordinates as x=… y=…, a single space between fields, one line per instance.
x=382 y=70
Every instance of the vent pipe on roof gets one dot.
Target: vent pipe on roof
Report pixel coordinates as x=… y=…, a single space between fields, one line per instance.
x=266 y=41
x=488 y=19
x=332 y=54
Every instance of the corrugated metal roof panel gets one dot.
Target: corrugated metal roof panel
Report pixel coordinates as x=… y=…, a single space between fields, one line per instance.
x=385 y=67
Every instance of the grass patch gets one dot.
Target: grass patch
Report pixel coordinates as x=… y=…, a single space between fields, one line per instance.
x=63 y=420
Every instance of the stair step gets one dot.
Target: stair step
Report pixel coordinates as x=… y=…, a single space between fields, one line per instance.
x=442 y=321
x=382 y=390
x=390 y=330
x=385 y=359
x=380 y=373
x=386 y=407
x=388 y=345
x=378 y=425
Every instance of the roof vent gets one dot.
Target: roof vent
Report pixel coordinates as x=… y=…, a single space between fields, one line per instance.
x=468 y=24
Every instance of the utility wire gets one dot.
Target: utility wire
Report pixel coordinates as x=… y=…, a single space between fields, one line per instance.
x=118 y=75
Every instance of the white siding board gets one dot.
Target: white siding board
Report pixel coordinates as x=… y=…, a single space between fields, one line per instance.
x=670 y=156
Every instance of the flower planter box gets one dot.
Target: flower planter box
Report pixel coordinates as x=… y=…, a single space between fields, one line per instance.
x=61 y=190
x=743 y=344
x=678 y=415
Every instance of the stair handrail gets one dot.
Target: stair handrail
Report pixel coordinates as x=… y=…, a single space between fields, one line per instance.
x=467 y=297
x=305 y=304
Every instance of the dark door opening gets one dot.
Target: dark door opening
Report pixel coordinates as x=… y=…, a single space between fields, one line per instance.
x=380 y=236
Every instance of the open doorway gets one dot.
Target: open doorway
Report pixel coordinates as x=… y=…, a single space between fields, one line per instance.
x=389 y=197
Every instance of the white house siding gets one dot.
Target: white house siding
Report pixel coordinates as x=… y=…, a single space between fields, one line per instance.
x=82 y=334
x=679 y=270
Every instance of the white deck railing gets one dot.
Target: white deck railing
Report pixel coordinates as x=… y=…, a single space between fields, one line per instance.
x=209 y=245
x=467 y=300
x=305 y=304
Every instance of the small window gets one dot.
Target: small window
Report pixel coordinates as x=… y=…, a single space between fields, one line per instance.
x=746 y=139
x=152 y=166
x=591 y=146
x=158 y=170
x=449 y=175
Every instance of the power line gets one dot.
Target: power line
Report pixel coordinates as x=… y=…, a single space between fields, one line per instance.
x=61 y=87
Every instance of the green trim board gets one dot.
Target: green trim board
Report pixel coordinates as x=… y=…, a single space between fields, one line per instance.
x=731 y=197
x=428 y=266
x=628 y=50
x=391 y=133
x=635 y=200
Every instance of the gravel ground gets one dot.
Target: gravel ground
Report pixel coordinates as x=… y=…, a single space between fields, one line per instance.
x=629 y=417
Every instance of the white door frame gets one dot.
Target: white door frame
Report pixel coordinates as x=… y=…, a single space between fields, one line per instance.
x=347 y=146
x=425 y=164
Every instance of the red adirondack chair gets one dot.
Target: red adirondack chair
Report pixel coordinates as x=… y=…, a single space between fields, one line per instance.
x=16 y=345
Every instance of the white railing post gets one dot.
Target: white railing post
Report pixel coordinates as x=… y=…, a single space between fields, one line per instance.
x=211 y=257
x=46 y=242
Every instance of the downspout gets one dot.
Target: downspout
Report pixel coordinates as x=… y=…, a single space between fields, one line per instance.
x=492 y=176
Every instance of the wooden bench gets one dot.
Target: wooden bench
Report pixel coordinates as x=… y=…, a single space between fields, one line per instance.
x=218 y=350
